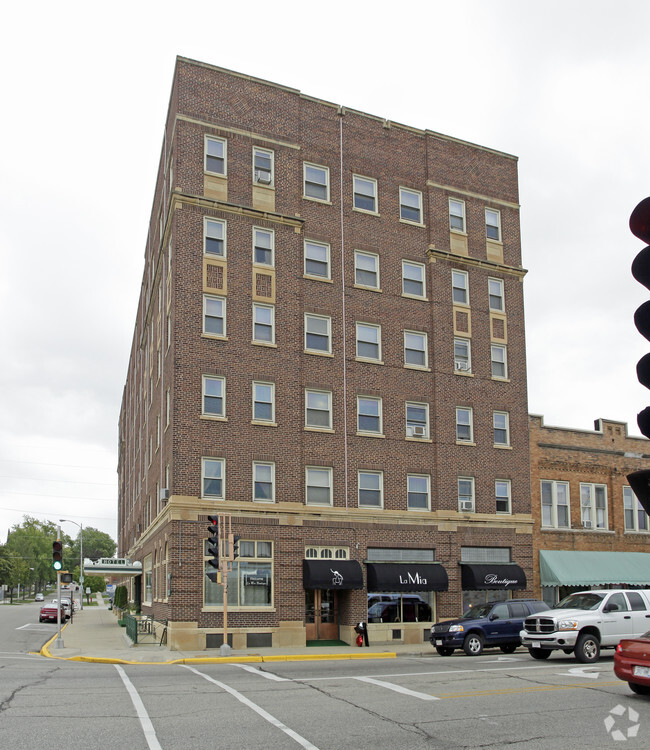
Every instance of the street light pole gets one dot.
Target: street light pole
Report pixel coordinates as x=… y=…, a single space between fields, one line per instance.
x=81 y=565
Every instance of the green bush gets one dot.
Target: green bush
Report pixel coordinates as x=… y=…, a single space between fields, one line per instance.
x=120 y=598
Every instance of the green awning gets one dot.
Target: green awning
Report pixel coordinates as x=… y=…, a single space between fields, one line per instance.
x=563 y=568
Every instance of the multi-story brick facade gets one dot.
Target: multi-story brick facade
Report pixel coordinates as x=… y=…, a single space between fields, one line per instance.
x=329 y=348
x=590 y=530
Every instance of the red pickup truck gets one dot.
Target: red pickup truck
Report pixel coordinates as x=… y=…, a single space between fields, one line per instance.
x=48 y=612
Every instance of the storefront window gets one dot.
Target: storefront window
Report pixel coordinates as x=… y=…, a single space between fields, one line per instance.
x=250 y=582
x=388 y=607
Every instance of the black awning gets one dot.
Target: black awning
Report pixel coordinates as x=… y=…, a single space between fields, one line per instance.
x=397 y=577
x=331 y=574
x=492 y=576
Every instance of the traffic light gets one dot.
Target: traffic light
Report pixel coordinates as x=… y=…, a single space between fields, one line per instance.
x=213 y=548
x=57 y=554
x=235 y=546
x=640 y=227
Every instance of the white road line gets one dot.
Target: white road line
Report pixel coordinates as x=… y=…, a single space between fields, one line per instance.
x=145 y=721
x=258 y=710
x=259 y=673
x=398 y=689
x=440 y=673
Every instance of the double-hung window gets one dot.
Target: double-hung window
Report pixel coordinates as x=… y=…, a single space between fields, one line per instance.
x=466 y=494
x=318 y=482
x=502 y=495
x=316 y=182
x=263 y=402
x=369 y=418
x=318 y=409
x=214 y=315
x=593 y=506
x=263 y=166
x=555 y=504
x=365 y=193
x=264 y=481
x=214 y=396
x=495 y=292
x=460 y=287
x=636 y=519
x=366 y=269
x=317 y=259
x=368 y=341
x=215 y=237
x=501 y=424
x=464 y=424
x=499 y=361
x=263 y=246
x=413 y=279
x=415 y=349
x=418 y=491
x=263 y=323
x=456 y=215
x=212 y=478
x=371 y=489
x=410 y=205
x=215 y=155
x=462 y=355
x=417 y=420
x=318 y=333
x=493 y=224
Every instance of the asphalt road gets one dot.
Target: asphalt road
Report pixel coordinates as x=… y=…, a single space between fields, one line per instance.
x=414 y=703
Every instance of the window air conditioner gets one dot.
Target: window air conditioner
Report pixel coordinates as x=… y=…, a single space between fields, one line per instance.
x=417 y=431
x=586 y=524
x=467 y=505
x=164 y=495
x=461 y=365
x=263 y=177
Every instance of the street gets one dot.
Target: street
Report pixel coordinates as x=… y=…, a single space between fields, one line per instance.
x=409 y=702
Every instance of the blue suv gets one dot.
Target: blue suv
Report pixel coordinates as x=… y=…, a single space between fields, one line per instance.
x=489 y=624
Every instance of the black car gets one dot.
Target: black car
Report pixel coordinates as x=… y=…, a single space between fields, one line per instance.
x=489 y=624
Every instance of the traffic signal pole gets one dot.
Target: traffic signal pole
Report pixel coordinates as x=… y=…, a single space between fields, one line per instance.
x=57 y=562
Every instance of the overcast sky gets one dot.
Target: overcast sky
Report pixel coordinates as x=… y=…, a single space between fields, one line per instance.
x=85 y=89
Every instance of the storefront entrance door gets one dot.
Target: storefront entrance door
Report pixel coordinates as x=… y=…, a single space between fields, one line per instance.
x=321 y=615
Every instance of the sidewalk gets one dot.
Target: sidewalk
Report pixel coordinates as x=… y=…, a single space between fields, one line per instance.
x=95 y=636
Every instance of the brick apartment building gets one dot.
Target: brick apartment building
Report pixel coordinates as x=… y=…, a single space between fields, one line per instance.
x=329 y=348
x=590 y=531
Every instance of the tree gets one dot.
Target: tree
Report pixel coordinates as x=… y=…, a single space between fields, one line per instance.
x=96 y=544
x=31 y=543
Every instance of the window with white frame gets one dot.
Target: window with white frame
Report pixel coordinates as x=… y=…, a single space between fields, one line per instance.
x=413 y=279
x=418 y=491
x=263 y=402
x=318 y=333
x=215 y=155
x=410 y=205
x=495 y=293
x=369 y=416
x=460 y=287
x=493 y=224
x=214 y=396
x=464 y=424
x=212 y=478
x=326 y=553
x=415 y=349
x=263 y=246
x=466 y=494
x=318 y=482
x=264 y=481
x=317 y=259
x=214 y=315
x=417 y=420
x=316 y=182
x=371 y=489
x=318 y=409
x=215 y=237
x=502 y=496
x=263 y=166
x=263 y=323
x=462 y=355
x=457 y=215
x=555 y=504
x=365 y=193
x=366 y=269
x=636 y=519
x=250 y=580
x=501 y=425
x=593 y=505
x=368 y=341
x=499 y=361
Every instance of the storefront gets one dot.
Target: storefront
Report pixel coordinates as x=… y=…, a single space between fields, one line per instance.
x=326 y=582
x=482 y=582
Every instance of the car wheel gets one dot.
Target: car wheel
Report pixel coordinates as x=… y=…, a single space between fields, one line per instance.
x=509 y=648
x=587 y=648
x=639 y=689
x=40 y=619
x=444 y=650
x=473 y=644
x=539 y=653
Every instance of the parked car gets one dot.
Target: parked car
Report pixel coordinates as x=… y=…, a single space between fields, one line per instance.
x=39 y=598
x=632 y=663
x=65 y=603
x=409 y=609
x=48 y=612
x=489 y=624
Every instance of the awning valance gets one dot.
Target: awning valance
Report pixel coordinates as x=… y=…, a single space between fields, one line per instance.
x=570 y=568
x=491 y=576
x=332 y=574
x=397 y=577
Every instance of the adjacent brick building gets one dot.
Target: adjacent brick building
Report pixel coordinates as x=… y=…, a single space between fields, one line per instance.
x=329 y=349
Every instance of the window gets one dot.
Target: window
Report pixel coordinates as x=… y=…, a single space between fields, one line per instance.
x=365 y=193
x=371 y=489
x=418 y=491
x=264 y=402
x=318 y=409
x=555 y=504
x=502 y=493
x=501 y=424
x=215 y=155
x=413 y=279
x=318 y=333
x=263 y=323
x=317 y=259
x=368 y=341
x=593 y=506
x=369 y=415
x=417 y=420
x=499 y=361
x=319 y=485
x=493 y=224
x=263 y=246
x=495 y=292
x=214 y=315
x=212 y=477
x=215 y=237
x=464 y=425
x=316 y=182
x=415 y=349
x=250 y=581
x=466 y=494
x=636 y=519
x=462 y=355
x=366 y=269
x=460 y=287
x=263 y=482
x=327 y=553
x=410 y=205
x=457 y=215
x=214 y=396
x=263 y=166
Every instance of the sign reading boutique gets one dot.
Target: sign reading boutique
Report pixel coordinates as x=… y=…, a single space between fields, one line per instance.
x=491 y=576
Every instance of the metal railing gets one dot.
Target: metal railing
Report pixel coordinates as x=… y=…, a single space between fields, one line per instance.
x=143 y=629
